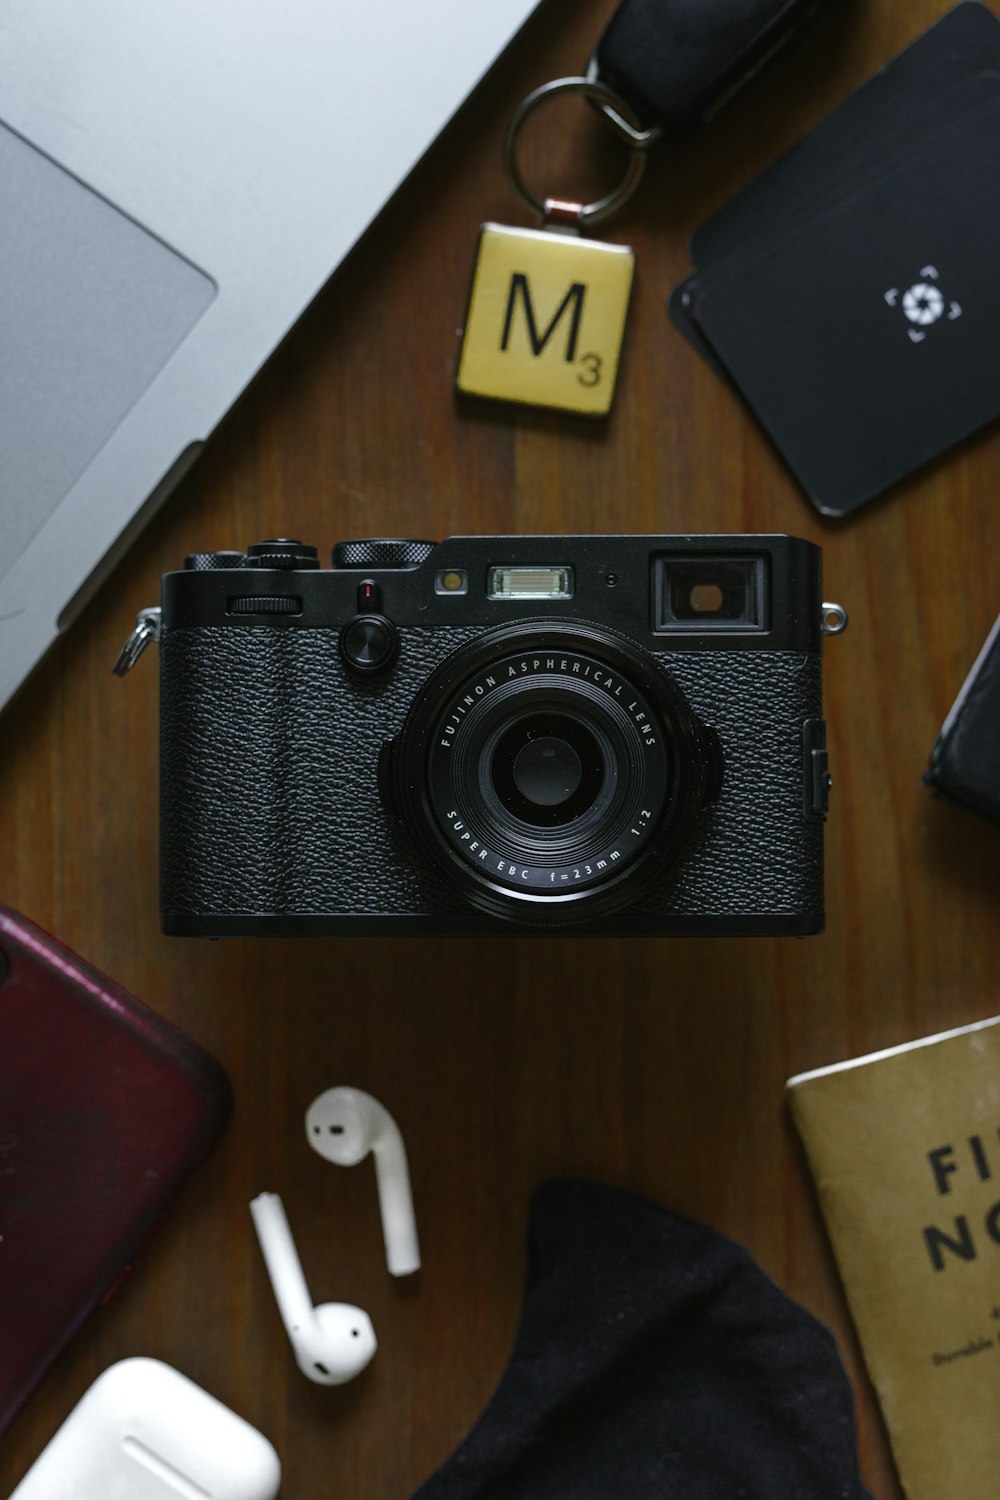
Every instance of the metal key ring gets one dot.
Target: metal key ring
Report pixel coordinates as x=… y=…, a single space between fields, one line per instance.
x=614 y=108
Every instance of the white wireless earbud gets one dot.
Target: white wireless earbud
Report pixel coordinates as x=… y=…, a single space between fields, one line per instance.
x=332 y=1343
x=343 y=1125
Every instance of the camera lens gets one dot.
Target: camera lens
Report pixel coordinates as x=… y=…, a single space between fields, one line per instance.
x=547 y=769
x=551 y=770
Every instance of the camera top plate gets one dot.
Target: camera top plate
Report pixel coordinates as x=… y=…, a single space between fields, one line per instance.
x=686 y=592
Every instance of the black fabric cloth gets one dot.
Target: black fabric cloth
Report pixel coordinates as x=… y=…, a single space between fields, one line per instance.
x=655 y=1359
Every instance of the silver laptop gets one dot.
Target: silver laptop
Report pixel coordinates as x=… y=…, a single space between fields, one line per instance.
x=178 y=178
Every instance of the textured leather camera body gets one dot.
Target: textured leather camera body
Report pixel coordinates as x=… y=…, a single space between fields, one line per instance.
x=282 y=683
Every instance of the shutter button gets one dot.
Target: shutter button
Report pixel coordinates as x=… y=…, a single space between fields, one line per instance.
x=369 y=642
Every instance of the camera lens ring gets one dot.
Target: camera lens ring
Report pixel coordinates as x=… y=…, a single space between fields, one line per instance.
x=634 y=776
x=662 y=768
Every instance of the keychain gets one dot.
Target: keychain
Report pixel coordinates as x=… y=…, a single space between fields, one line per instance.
x=547 y=306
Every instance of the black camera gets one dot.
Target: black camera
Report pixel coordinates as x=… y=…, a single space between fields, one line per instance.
x=616 y=735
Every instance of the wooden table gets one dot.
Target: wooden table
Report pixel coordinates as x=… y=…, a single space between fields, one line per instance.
x=654 y=1064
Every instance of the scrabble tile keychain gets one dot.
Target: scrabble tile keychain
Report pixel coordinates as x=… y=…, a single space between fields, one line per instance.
x=548 y=306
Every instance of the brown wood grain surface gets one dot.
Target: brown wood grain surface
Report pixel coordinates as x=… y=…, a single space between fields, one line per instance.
x=654 y=1064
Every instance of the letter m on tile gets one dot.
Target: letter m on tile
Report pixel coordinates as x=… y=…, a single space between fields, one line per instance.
x=570 y=307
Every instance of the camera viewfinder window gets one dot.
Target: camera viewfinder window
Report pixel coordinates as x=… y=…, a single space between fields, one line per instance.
x=710 y=593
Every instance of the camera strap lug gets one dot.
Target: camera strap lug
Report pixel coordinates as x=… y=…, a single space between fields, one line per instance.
x=146 y=629
x=833 y=619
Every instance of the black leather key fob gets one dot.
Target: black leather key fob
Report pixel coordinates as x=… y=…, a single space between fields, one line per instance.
x=678 y=61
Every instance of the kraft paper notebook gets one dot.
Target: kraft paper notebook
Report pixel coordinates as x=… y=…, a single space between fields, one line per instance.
x=904 y=1146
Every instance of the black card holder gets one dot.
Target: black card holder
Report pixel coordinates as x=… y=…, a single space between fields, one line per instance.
x=849 y=295
x=881 y=119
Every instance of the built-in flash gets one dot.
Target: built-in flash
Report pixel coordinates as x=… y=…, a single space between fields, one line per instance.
x=530 y=583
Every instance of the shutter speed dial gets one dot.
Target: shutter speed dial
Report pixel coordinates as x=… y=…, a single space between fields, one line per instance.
x=381 y=552
x=205 y=562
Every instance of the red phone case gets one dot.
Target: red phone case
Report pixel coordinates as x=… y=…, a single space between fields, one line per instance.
x=105 y=1108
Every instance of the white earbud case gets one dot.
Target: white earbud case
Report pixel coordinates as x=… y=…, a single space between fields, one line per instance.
x=145 y=1432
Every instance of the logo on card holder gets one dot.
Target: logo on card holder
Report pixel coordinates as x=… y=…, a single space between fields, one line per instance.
x=923 y=304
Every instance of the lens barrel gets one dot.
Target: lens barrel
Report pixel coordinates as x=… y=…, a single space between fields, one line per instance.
x=550 y=770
